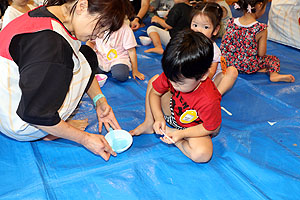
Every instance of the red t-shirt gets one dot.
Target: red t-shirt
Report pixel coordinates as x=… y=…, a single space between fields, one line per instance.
x=205 y=101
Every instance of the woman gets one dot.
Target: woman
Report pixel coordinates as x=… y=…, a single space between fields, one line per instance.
x=141 y=8
x=46 y=71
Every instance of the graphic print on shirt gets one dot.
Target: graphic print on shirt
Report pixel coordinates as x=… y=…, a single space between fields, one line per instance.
x=112 y=54
x=183 y=110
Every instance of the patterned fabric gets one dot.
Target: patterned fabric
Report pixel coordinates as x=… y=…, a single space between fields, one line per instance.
x=170 y=119
x=240 y=49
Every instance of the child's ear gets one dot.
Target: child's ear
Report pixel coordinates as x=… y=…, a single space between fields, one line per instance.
x=216 y=30
x=82 y=6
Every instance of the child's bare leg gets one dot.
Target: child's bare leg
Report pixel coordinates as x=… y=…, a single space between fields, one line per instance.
x=79 y=124
x=147 y=125
x=157 y=44
x=264 y=70
x=224 y=82
x=276 y=77
x=198 y=149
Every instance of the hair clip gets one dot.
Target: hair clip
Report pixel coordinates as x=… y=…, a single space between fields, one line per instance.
x=249 y=9
x=236 y=6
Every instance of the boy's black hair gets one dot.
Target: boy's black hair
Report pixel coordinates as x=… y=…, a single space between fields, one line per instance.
x=189 y=54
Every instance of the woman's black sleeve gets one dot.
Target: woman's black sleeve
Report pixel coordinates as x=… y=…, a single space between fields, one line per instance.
x=46 y=69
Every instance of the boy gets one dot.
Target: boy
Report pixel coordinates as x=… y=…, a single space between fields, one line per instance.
x=184 y=97
x=177 y=19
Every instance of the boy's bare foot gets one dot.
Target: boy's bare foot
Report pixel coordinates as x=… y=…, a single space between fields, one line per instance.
x=79 y=124
x=282 y=78
x=145 y=128
x=158 y=50
x=170 y=130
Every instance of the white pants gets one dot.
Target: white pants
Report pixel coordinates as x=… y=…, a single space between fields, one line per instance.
x=163 y=34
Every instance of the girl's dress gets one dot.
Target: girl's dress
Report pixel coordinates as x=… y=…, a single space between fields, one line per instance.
x=240 y=48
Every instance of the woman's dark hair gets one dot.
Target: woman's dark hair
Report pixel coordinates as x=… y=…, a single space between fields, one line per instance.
x=188 y=55
x=111 y=13
x=212 y=10
x=243 y=4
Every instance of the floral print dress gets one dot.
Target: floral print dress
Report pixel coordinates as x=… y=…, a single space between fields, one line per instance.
x=240 y=49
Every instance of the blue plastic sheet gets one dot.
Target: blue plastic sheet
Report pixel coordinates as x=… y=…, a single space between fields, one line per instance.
x=256 y=154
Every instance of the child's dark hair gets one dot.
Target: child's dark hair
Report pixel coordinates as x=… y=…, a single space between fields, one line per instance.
x=188 y=55
x=212 y=10
x=111 y=14
x=249 y=5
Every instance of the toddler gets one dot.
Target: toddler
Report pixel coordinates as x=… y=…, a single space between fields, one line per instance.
x=184 y=97
x=244 y=43
x=225 y=17
x=177 y=19
x=206 y=18
x=117 y=54
x=16 y=9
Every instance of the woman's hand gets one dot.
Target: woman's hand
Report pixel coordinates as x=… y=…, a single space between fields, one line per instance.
x=98 y=145
x=134 y=24
x=106 y=115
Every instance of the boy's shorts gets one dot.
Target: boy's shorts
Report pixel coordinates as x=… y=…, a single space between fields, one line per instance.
x=170 y=119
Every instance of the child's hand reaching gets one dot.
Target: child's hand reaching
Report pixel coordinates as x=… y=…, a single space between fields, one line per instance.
x=156 y=19
x=139 y=75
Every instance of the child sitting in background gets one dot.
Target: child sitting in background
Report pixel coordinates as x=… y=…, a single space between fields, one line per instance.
x=244 y=43
x=206 y=18
x=157 y=5
x=117 y=54
x=16 y=9
x=177 y=19
x=225 y=17
x=184 y=97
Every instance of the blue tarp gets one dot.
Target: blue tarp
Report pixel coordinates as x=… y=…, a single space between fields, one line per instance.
x=256 y=155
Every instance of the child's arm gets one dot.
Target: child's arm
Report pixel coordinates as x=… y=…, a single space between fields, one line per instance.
x=162 y=22
x=91 y=44
x=156 y=109
x=194 y=131
x=133 y=60
x=212 y=69
x=261 y=38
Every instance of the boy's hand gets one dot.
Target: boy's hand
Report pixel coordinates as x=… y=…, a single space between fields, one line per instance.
x=159 y=124
x=175 y=136
x=138 y=74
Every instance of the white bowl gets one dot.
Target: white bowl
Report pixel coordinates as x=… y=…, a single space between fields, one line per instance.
x=101 y=78
x=145 y=40
x=162 y=13
x=119 y=140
